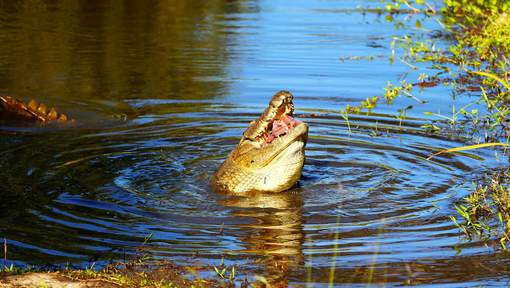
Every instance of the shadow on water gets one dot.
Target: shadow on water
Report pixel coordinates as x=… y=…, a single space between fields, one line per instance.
x=161 y=92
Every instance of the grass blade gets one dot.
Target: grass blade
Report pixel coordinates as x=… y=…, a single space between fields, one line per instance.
x=493 y=77
x=469 y=147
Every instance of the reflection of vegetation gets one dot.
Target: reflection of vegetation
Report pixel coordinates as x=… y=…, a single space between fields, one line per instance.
x=114 y=49
x=477 y=62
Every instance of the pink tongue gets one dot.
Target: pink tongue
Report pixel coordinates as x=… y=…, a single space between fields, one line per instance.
x=281 y=127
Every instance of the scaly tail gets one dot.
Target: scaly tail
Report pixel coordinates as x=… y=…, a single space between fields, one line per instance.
x=32 y=111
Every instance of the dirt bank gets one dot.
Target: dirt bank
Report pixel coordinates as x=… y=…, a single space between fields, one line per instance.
x=50 y=279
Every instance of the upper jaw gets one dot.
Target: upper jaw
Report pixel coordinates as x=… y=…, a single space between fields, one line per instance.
x=279 y=107
x=256 y=147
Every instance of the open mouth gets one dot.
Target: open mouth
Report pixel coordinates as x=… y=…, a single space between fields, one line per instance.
x=279 y=127
x=276 y=121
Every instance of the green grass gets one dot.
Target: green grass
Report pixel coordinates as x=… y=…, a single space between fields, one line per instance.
x=163 y=274
x=136 y=273
x=141 y=271
x=485 y=213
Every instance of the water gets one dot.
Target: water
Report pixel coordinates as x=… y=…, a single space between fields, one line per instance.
x=162 y=91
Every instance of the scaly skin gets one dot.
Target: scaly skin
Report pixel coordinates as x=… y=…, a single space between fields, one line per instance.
x=33 y=112
x=255 y=165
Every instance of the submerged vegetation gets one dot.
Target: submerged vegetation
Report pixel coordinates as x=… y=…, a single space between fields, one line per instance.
x=487 y=207
x=476 y=62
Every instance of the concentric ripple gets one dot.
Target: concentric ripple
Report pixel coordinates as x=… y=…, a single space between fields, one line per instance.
x=366 y=200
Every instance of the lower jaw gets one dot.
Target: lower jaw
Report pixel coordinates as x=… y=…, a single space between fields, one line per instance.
x=284 y=170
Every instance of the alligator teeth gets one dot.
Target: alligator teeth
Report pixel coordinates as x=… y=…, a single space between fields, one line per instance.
x=289 y=110
x=280 y=105
x=270 y=115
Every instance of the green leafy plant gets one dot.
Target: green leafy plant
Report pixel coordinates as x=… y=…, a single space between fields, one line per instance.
x=485 y=212
x=476 y=61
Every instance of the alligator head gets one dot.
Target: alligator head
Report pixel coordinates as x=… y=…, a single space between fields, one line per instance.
x=270 y=155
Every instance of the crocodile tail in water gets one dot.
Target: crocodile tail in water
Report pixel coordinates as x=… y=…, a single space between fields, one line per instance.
x=13 y=108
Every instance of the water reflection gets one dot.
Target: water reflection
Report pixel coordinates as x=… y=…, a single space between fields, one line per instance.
x=108 y=50
x=276 y=231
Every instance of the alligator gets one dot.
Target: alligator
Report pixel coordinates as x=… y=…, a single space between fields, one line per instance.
x=11 y=107
x=270 y=155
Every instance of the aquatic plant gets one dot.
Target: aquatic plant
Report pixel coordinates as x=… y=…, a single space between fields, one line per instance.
x=476 y=61
x=485 y=213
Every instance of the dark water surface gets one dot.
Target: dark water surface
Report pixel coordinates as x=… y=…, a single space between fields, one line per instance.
x=162 y=90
